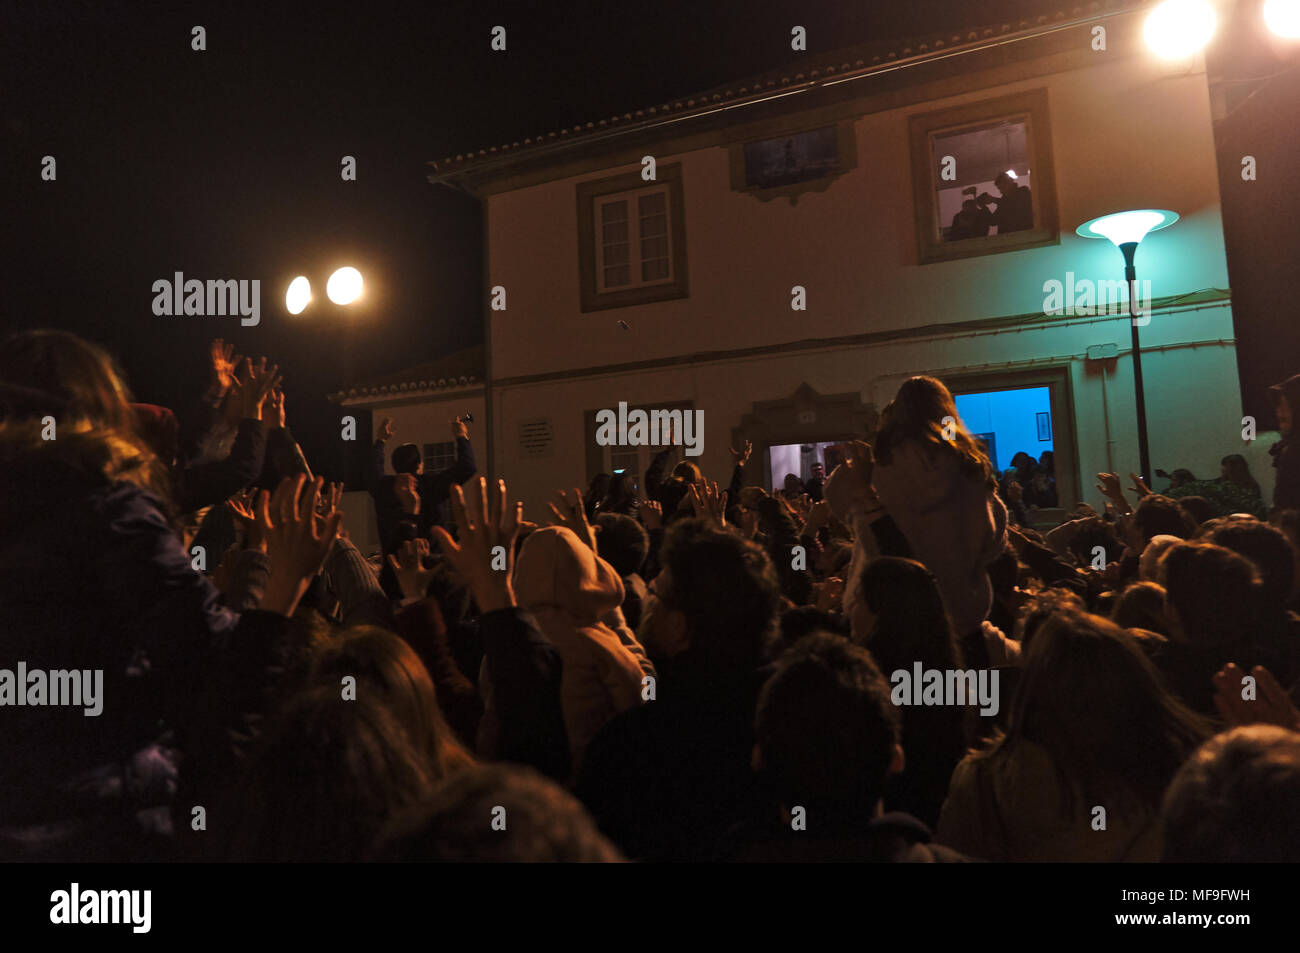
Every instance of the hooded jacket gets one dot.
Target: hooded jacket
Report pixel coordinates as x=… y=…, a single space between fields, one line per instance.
x=575 y=595
x=1286 y=452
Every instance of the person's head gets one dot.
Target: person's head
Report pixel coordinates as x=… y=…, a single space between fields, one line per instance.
x=1236 y=800
x=1197 y=509
x=1235 y=469
x=324 y=780
x=923 y=410
x=818 y=471
x=1286 y=397
x=60 y=375
x=1005 y=183
x=792 y=485
x=1158 y=515
x=900 y=617
x=1149 y=561
x=622 y=487
x=623 y=542
x=826 y=735
x=381 y=662
x=1047 y=460
x=675 y=495
x=716 y=593
x=1265 y=546
x=496 y=813
x=688 y=472
x=598 y=488
x=407 y=459
x=1089 y=696
x=1042 y=606
x=1181 y=477
x=1095 y=533
x=1141 y=606
x=1212 y=595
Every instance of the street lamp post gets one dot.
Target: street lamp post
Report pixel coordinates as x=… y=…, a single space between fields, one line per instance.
x=1126 y=230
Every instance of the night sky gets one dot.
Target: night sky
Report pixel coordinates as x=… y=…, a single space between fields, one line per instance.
x=225 y=163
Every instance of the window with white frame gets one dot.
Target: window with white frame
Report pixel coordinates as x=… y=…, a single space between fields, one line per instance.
x=631 y=239
x=635 y=247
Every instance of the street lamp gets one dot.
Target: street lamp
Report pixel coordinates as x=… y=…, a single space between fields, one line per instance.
x=1126 y=230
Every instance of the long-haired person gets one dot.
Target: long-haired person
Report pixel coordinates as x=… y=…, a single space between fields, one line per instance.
x=933 y=483
x=900 y=619
x=94 y=581
x=1093 y=740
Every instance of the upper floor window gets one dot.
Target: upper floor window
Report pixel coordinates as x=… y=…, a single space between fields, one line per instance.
x=794 y=162
x=632 y=239
x=982 y=178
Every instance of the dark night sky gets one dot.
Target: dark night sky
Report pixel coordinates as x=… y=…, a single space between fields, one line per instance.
x=225 y=163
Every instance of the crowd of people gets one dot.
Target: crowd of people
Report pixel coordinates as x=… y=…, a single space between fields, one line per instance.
x=666 y=672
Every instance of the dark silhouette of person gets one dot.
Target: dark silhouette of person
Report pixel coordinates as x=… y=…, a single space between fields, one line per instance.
x=973 y=221
x=1015 y=208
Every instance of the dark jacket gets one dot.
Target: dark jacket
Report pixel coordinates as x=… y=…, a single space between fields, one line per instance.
x=92 y=577
x=395 y=527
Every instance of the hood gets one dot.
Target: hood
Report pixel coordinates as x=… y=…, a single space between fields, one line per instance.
x=557 y=570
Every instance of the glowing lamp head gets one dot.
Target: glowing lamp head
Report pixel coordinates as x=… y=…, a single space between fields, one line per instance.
x=344 y=286
x=1176 y=29
x=1123 y=228
x=298 y=296
x=1283 y=18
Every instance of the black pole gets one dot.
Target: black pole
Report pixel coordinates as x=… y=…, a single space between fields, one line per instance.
x=1130 y=274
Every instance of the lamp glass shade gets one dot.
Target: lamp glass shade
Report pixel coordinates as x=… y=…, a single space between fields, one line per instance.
x=344 y=286
x=1177 y=29
x=1124 y=227
x=1283 y=17
x=298 y=296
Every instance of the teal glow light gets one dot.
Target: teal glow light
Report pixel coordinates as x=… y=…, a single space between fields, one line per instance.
x=1124 y=227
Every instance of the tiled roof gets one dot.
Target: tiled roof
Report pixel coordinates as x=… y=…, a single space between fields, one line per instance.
x=455 y=371
x=814 y=69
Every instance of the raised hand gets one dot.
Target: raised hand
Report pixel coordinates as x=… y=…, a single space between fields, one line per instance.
x=1138 y=487
x=408 y=565
x=652 y=514
x=741 y=456
x=408 y=493
x=458 y=429
x=295 y=544
x=708 y=504
x=243 y=509
x=328 y=504
x=386 y=430
x=1110 y=488
x=255 y=385
x=482 y=530
x=571 y=513
x=1271 y=706
x=275 y=408
x=224 y=360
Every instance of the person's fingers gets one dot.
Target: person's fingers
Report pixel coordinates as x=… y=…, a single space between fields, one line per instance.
x=263 y=515
x=328 y=534
x=447 y=544
x=1271 y=689
x=292 y=487
x=559 y=514
x=458 y=508
x=421 y=547
x=394 y=564
x=307 y=496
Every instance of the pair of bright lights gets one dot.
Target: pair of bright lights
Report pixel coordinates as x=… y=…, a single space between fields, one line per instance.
x=1179 y=28
x=344 y=287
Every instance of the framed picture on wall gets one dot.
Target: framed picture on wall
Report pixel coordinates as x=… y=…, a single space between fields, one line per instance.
x=1044 y=426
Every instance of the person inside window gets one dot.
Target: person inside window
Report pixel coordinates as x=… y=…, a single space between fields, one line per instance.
x=1015 y=207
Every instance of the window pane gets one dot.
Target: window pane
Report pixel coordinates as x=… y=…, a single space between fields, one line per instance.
x=614 y=232
x=615 y=277
x=655 y=270
x=654 y=248
x=655 y=202
x=981 y=179
x=614 y=211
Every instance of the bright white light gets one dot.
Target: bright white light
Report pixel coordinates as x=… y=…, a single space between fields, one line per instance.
x=1012 y=173
x=1283 y=17
x=298 y=296
x=344 y=286
x=1178 y=28
x=1124 y=227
